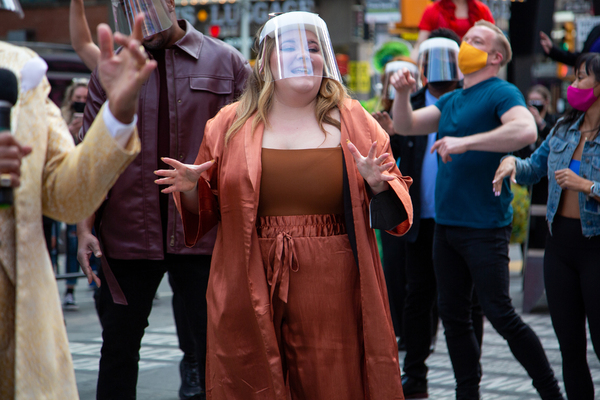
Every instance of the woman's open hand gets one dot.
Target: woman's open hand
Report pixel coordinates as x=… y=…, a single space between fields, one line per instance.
x=506 y=168
x=545 y=42
x=183 y=178
x=372 y=168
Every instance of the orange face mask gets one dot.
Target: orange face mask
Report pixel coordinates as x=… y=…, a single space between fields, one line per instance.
x=471 y=59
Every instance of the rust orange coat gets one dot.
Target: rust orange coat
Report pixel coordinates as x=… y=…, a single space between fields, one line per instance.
x=243 y=359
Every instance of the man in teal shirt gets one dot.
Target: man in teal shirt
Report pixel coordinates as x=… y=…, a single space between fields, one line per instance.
x=476 y=126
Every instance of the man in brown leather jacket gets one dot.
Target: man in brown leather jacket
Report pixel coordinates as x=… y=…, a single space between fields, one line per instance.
x=139 y=229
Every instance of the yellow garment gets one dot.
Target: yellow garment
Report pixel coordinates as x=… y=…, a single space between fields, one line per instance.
x=64 y=182
x=471 y=59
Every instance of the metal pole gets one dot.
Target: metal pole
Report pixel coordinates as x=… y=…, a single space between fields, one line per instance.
x=245 y=29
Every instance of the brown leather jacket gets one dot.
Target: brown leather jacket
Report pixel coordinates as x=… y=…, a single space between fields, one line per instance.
x=204 y=74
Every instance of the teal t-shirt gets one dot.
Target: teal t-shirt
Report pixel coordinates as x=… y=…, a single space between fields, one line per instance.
x=463 y=191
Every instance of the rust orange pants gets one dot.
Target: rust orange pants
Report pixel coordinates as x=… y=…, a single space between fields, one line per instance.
x=316 y=308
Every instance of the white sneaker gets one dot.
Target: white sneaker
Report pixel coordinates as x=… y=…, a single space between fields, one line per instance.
x=69 y=303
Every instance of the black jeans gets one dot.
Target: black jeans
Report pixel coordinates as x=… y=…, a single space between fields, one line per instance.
x=420 y=307
x=123 y=326
x=394 y=258
x=571 y=275
x=465 y=259
x=185 y=336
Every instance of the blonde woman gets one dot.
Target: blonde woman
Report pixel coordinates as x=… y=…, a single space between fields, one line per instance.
x=297 y=305
x=73 y=105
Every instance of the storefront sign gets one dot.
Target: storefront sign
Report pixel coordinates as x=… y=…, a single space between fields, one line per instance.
x=382 y=11
x=359 y=77
x=229 y=14
x=583 y=27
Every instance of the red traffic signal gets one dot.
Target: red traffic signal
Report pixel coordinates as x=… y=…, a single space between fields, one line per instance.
x=214 y=30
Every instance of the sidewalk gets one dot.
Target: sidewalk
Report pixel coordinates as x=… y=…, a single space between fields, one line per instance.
x=503 y=377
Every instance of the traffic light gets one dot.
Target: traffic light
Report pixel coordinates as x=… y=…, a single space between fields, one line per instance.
x=569 y=39
x=214 y=31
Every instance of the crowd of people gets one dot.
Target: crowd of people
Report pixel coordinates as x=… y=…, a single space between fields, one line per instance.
x=259 y=190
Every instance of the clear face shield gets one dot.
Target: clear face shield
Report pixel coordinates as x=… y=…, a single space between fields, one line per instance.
x=12 y=5
x=300 y=45
x=388 y=91
x=438 y=61
x=156 y=16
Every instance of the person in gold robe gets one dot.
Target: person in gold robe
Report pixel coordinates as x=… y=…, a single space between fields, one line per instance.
x=50 y=176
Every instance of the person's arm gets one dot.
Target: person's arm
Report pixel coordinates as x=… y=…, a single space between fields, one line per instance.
x=81 y=176
x=390 y=209
x=488 y=16
x=406 y=121
x=81 y=37
x=565 y=57
x=183 y=178
x=518 y=129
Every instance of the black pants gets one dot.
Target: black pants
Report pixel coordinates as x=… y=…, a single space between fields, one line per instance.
x=185 y=336
x=420 y=306
x=394 y=259
x=123 y=326
x=465 y=259
x=572 y=276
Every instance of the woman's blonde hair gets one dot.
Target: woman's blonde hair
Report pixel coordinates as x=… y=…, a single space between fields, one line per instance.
x=260 y=87
x=66 y=110
x=544 y=92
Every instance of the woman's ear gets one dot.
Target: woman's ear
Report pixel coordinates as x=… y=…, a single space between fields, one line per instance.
x=170 y=5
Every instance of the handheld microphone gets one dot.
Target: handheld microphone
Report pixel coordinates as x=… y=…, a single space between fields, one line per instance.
x=9 y=92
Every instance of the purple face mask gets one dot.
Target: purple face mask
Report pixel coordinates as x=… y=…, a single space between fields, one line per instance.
x=581 y=99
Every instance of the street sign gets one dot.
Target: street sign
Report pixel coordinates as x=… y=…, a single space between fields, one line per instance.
x=584 y=26
x=382 y=11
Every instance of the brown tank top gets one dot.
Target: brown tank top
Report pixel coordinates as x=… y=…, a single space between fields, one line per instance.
x=301 y=182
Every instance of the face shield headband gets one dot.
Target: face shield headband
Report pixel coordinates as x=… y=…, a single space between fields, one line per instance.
x=156 y=16
x=301 y=47
x=438 y=60
x=387 y=90
x=12 y=5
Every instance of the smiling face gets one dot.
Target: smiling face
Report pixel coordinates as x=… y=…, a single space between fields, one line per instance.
x=298 y=54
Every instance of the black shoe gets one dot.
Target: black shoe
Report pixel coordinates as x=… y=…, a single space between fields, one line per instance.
x=414 y=388
x=401 y=344
x=190 y=381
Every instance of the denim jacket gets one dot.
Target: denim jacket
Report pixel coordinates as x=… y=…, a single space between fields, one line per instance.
x=556 y=153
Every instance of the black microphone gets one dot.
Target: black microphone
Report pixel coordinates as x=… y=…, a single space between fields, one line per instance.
x=9 y=92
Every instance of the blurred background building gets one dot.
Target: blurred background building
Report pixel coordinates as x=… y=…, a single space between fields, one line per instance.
x=357 y=28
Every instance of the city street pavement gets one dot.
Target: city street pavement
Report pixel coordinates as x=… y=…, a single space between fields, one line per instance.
x=503 y=377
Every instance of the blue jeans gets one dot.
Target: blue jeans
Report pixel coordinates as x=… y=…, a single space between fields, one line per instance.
x=72 y=263
x=467 y=259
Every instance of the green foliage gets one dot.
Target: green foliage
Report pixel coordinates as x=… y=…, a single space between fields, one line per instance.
x=521 y=203
x=387 y=52
x=371 y=104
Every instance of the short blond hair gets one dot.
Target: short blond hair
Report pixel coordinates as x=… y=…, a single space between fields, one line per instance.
x=502 y=43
